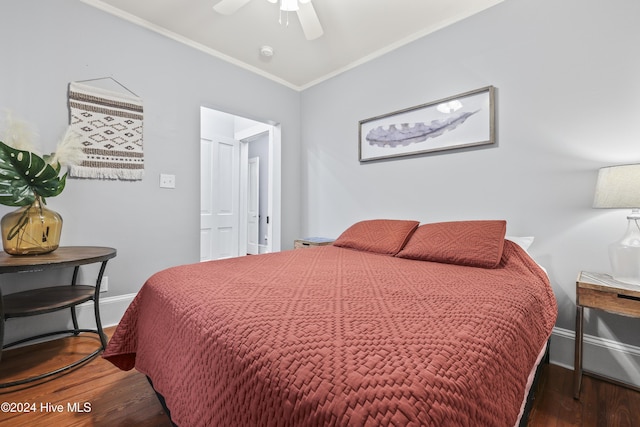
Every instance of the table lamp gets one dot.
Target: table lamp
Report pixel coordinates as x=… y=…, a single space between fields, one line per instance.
x=618 y=187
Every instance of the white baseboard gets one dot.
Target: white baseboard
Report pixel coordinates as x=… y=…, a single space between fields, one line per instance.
x=111 y=311
x=599 y=355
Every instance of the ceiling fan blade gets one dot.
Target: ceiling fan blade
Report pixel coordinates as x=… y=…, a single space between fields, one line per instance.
x=309 y=21
x=229 y=7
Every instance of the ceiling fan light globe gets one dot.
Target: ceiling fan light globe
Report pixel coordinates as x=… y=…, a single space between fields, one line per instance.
x=289 y=5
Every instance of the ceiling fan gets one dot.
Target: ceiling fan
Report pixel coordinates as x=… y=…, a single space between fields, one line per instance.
x=306 y=13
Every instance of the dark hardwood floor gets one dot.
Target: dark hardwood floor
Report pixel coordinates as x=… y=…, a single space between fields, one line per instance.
x=98 y=394
x=601 y=403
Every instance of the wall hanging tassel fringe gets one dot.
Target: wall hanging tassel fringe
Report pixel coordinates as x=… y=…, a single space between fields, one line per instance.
x=110 y=127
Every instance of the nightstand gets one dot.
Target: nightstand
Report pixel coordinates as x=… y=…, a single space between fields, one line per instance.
x=311 y=241
x=602 y=292
x=49 y=299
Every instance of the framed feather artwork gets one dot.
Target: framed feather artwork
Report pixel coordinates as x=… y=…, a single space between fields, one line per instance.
x=463 y=120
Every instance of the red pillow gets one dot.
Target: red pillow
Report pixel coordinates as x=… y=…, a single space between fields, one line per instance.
x=472 y=243
x=382 y=236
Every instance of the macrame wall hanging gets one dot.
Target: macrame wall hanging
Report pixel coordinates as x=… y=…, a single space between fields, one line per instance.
x=109 y=124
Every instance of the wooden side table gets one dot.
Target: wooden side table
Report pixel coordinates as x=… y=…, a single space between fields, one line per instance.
x=602 y=292
x=308 y=242
x=50 y=299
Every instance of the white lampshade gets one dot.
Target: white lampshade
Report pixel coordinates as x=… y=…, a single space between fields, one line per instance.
x=618 y=187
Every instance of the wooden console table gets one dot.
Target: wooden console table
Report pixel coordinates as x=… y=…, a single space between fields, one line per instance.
x=50 y=299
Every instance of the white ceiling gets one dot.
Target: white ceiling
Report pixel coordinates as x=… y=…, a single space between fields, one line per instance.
x=355 y=31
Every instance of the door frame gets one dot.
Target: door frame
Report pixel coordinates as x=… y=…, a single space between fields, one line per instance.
x=273 y=203
x=274 y=228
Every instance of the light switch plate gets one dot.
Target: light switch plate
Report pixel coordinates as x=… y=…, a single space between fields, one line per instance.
x=167 y=181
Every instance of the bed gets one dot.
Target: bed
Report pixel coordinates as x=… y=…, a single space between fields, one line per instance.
x=396 y=323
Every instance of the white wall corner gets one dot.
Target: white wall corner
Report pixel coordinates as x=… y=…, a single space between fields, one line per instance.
x=601 y=356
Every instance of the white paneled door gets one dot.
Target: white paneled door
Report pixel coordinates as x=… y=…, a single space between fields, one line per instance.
x=253 y=206
x=219 y=216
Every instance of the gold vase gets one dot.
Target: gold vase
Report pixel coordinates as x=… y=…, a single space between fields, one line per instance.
x=31 y=230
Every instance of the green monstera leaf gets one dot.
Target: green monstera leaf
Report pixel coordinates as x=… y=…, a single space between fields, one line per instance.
x=23 y=175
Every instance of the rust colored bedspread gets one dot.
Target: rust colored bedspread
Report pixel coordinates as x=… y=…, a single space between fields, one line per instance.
x=333 y=337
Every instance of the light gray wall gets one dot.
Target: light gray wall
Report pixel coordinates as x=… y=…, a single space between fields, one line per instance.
x=45 y=45
x=568 y=101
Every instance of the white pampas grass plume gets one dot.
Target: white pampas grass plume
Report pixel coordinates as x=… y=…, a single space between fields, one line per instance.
x=69 y=150
x=18 y=134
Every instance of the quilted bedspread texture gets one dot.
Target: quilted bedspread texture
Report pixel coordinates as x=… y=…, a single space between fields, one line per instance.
x=330 y=336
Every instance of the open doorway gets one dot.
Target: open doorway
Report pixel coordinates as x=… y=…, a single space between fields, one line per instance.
x=240 y=186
